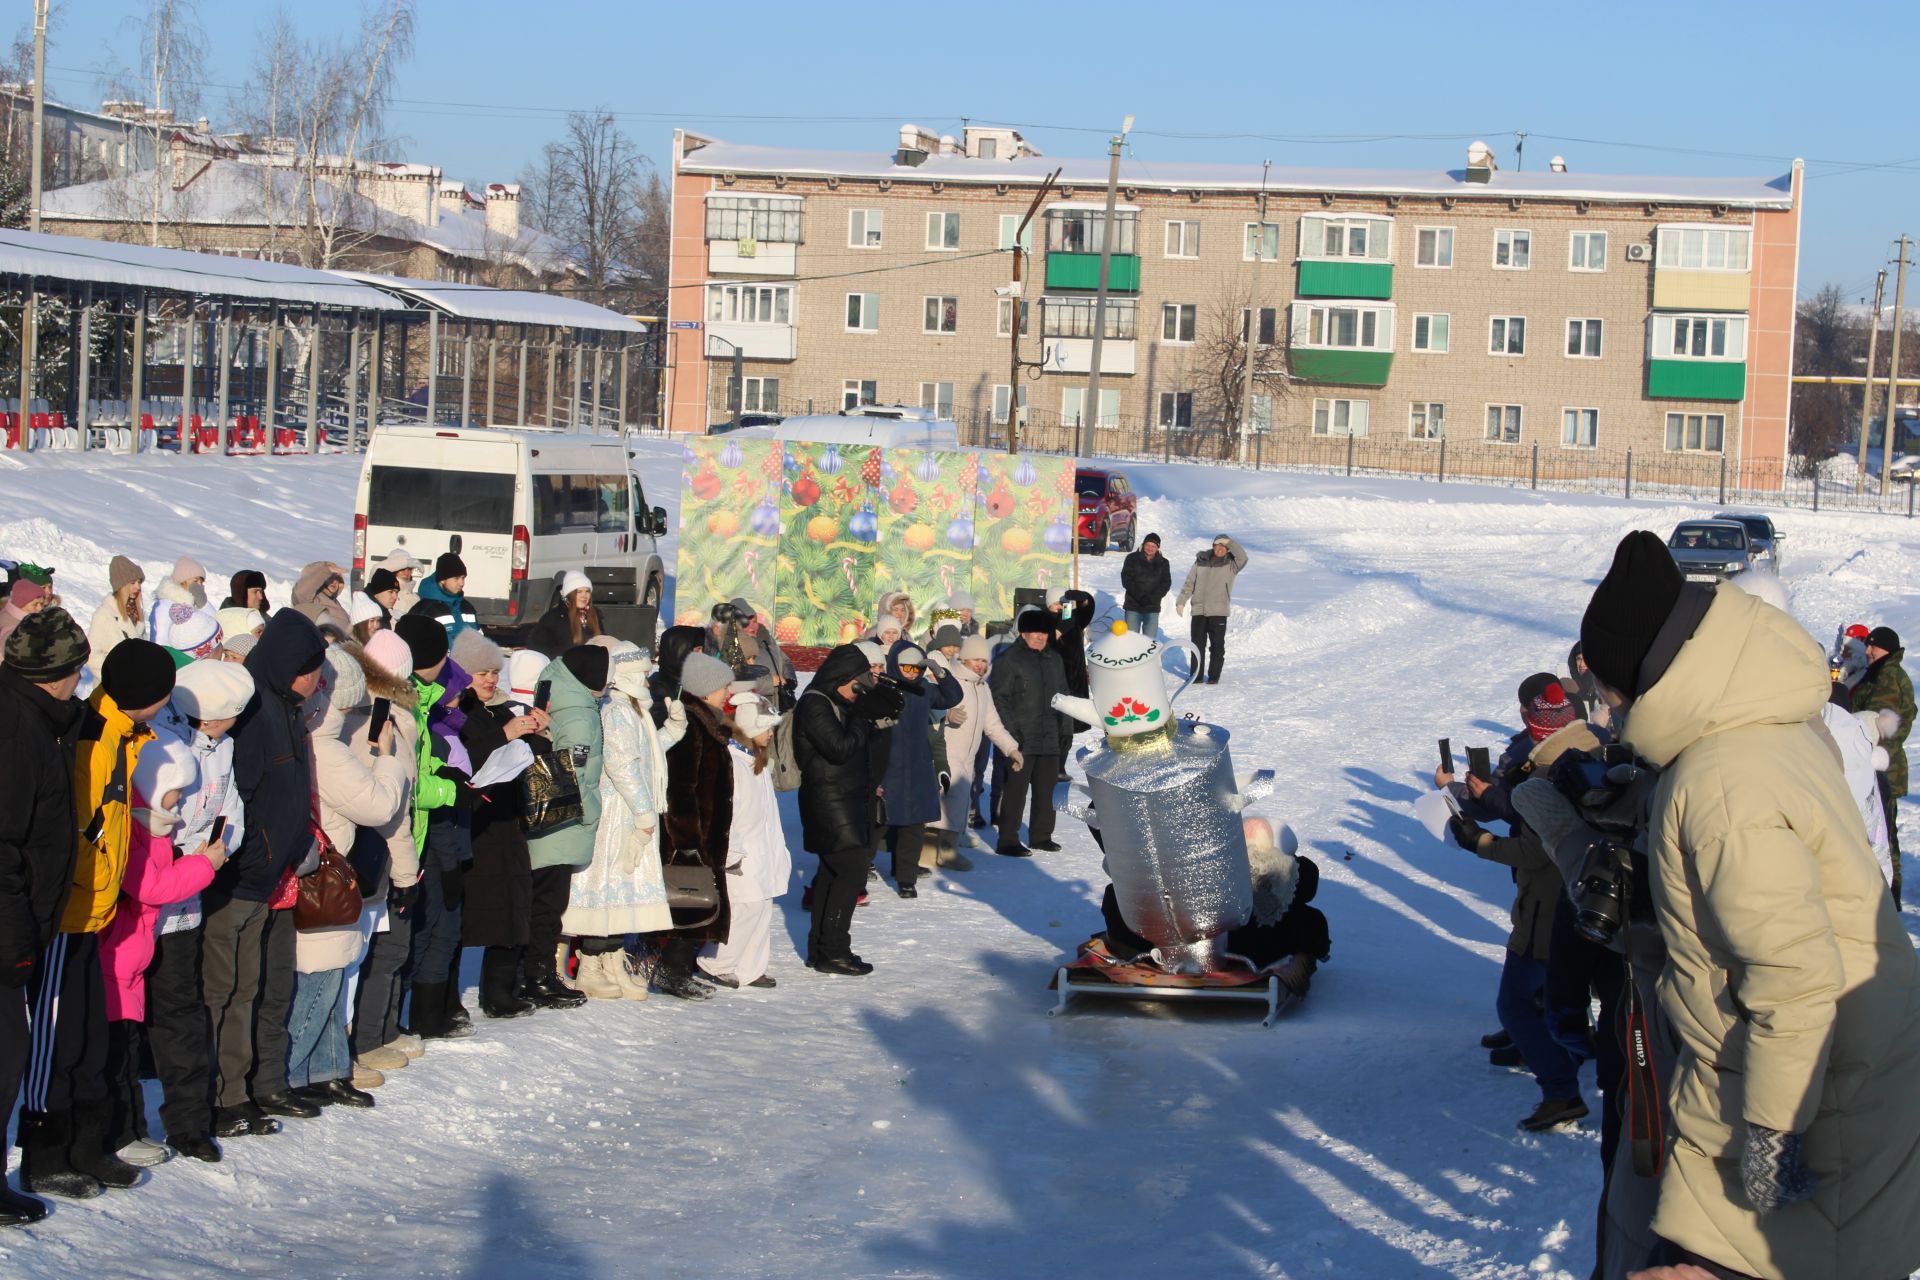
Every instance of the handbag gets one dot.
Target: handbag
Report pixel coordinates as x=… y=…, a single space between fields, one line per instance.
x=691 y=888
x=550 y=793
x=329 y=895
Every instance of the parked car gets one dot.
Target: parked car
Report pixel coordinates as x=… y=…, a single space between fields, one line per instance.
x=1762 y=537
x=1709 y=550
x=1107 y=506
x=748 y=419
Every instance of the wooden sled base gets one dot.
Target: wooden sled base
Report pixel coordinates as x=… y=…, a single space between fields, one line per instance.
x=1096 y=973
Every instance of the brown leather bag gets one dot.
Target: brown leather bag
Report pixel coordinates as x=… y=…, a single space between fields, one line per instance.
x=330 y=893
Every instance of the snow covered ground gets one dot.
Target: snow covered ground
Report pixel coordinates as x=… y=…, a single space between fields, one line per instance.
x=931 y=1120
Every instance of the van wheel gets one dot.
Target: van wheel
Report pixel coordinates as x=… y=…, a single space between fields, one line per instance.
x=655 y=589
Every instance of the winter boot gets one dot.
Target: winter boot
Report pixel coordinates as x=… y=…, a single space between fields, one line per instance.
x=499 y=971
x=46 y=1166
x=620 y=969
x=426 y=1015
x=1296 y=975
x=1554 y=1112
x=89 y=1153
x=408 y=1045
x=201 y=1147
x=457 y=1015
x=544 y=990
x=17 y=1210
x=593 y=980
x=949 y=857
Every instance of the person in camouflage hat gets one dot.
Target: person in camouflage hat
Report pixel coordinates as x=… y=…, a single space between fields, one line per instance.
x=47 y=647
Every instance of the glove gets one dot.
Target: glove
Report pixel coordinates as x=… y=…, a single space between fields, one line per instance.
x=400 y=901
x=1770 y=1169
x=956 y=716
x=676 y=716
x=946 y=780
x=453 y=887
x=1016 y=762
x=1466 y=832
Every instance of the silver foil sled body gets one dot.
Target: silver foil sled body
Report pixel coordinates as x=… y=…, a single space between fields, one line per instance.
x=1175 y=848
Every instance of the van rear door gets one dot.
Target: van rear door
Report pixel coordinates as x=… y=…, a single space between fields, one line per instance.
x=466 y=493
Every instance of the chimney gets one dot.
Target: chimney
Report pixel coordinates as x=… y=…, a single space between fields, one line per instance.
x=453 y=199
x=503 y=210
x=916 y=144
x=1558 y=164
x=1480 y=163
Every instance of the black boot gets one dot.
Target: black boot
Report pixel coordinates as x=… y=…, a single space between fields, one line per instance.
x=17 y=1210
x=199 y=1147
x=286 y=1103
x=46 y=1167
x=243 y=1121
x=499 y=968
x=427 y=1015
x=89 y=1154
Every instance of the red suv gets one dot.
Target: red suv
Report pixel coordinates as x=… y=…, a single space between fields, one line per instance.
x=1106 y=510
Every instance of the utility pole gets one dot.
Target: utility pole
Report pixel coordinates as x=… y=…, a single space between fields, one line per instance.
x=1092 y=407
x=1015 y=419
x=1866 y=392
x=1253 y=316
x=39 y=111
x=1893 y=366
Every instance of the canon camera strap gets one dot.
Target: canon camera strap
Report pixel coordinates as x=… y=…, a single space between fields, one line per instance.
x=1644 y=1125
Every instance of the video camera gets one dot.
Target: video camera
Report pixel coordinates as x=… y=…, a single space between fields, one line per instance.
x=731 y=614
x=879 y=698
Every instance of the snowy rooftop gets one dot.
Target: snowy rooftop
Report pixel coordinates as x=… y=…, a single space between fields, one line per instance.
x=507 y=306
x=26 y=253
x=729 y=157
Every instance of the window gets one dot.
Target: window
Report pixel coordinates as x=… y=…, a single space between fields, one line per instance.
x=942 y=316
x=1073 y=317
x=863 y=312
x=467 y=502
x=1262 y=241
x=1513 y=250
x=1433 y=247
x=1587 y=251
x=763 y=395
x=1685 y=337
x=1579 y=428
x=1260 y=410
x=1431 y=332
x=1503 y=423
x=937 y=396
x=750 y=303
x=1183 y=240
x=1507 y=336
x=761 y=218
x=1176 y=410
x=1705 y=248
x=1696 y=432
x=564 y=502
x=989 y=149
x=1427 y=420
x=1349 y=237
x=863 y=228
x=1343 y=325
x=1583 y=339
x=1269 y=321
x=1073 y=230
x=1177 y=320
x=943 y=231
x=1340 y=417
x=1003 y=319
x=855 y=392
x=1073 y=403
x=1002 y=399
x=1009 y=225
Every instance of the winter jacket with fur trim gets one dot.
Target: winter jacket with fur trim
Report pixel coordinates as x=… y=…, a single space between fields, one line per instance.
x=353 y=789
x=37 y=842
x=699 y=812
x=1792 y=986
x=167 y=594
x=1209 y=585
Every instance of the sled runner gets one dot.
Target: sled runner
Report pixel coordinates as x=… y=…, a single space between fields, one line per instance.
x=1096 y=972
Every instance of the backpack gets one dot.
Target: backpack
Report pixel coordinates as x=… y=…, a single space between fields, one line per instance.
x=783 y=763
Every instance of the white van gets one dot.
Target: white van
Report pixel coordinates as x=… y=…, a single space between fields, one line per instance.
x=520 y=506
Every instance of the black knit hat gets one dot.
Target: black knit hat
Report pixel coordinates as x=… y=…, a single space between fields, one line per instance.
x=426 y=640
x=1154 y=538
x=47 y=646
x=380 y=580
x=1628 y=609
x=1035 y=620
x=447 y=566
x=588 y=663
x=1884 y=638
x=137 y=674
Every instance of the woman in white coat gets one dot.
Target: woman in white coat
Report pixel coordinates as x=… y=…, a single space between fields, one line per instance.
x=761 y=865
x=964 y=734
x=623 y=890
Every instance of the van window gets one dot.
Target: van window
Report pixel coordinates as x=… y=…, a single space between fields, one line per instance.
x=451 y=501
x=613 y=504
x=565 y=502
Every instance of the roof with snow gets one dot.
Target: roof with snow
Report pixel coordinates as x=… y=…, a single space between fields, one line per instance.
x=729 y=157
x=237 y=193
x=506 y=306
x=48 y=257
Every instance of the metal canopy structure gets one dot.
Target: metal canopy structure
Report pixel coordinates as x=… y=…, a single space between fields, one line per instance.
x=504 y=306
x=39 y=256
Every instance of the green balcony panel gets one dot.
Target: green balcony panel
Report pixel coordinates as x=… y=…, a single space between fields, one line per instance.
x=1342 y=368
x=1697 y=379
x=1082 y=271
x=1346 y=279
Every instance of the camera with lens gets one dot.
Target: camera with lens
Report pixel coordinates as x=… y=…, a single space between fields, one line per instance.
x=1612 y=890
x=878 y=698
x=731 y=614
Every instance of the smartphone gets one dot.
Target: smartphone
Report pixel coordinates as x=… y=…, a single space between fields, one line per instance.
x=1446 y=755
x=541 y=693
x=219 y=829
x=1480 y=763
x=377 y=721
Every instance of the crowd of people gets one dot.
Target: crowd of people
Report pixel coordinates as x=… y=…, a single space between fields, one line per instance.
x=1698 y=819
x=247 y=863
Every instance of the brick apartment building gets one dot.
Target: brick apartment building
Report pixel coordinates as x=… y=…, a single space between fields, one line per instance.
x=1568 y=310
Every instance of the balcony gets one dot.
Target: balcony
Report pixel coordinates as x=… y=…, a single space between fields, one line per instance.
x=1082 y=271
x=751 y=258
x=1675 y=289
x=1075 y=355
x=756 y=341
x=1329 y=278
x=1342 y=368
x=1697 y=379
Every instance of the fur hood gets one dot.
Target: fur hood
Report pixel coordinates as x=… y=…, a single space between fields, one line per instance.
x=380 y=682
x=173 y=593
x=885 y=606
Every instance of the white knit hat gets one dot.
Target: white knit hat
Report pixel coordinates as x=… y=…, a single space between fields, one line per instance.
x=190 y=630
x=876 y=656
x=165 y=764
x=362 y=608
x=573 y=580
x=239 y=622
x=523 y=673
x=752 y=714
x=630 y=667
x=212 y=690
x=976 y=647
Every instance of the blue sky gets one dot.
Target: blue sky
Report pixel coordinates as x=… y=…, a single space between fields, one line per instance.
x=1690 y=86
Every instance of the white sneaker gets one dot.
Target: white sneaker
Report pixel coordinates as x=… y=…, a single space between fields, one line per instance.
x=146 y=1154
x=593 y=981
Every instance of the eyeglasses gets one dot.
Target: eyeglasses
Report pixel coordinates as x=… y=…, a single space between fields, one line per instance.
x=908 y=670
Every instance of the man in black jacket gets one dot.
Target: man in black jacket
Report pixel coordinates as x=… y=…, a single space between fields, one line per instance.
x=1072 y=615
x=1146 y=577
x=836 y=803
x=1024 y=681
x=39 y=722
x=272 y=757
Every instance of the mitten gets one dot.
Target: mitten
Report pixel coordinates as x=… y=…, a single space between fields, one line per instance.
x=1466 y=832
x=400 y=901
x=1771 y=1170
x=956 y=716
